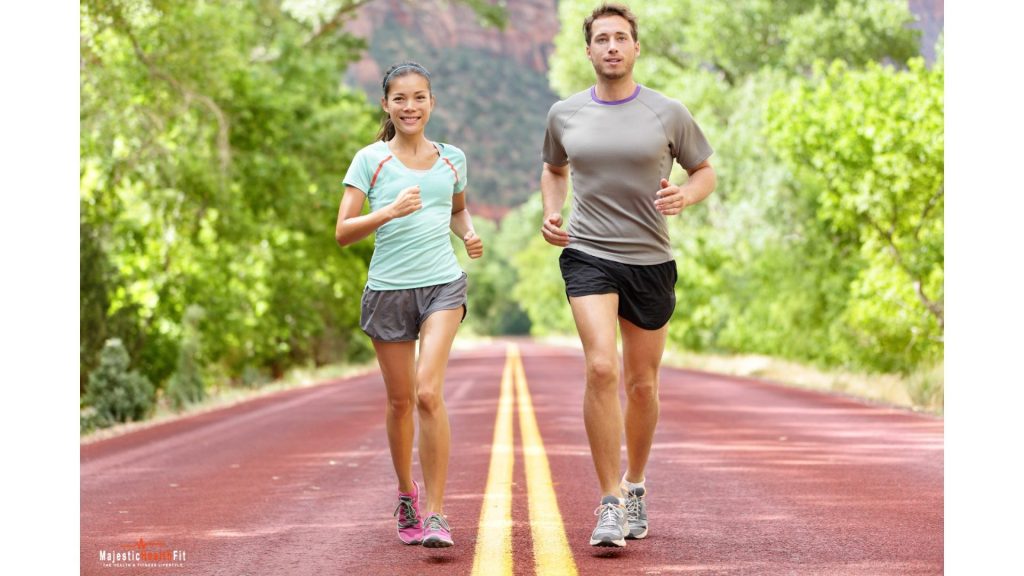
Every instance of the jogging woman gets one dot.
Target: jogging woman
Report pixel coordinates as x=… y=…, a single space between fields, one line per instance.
x=415 y=289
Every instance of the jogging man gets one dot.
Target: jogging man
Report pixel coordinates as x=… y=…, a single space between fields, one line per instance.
x=619 y=139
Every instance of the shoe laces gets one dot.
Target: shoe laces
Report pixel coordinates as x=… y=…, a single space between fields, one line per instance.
x=435 y=522
x=633 y=503
x=406 y=512
x=608 y=515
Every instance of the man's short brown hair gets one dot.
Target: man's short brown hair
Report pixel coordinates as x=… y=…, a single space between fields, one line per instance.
x=608 y=9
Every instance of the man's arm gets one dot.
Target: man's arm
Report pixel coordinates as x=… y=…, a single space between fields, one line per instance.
x=673 y=199
x=554 y=187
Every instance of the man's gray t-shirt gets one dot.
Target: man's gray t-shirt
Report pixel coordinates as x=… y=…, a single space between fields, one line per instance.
x=619 y=153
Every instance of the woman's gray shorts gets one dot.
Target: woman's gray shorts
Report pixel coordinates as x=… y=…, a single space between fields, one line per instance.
x=396 y=315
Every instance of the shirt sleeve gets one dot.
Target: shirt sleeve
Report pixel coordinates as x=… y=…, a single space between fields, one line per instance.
x=458 y=160
x=554 y=152
x=691 y=147
x=358 y=175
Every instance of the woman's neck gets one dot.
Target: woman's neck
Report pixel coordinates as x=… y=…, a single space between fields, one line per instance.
x=412 y=145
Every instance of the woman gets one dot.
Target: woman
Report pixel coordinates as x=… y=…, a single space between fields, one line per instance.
x=415 y=288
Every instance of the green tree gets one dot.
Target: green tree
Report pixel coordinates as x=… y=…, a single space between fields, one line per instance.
x=213 y=140
x=872 y=143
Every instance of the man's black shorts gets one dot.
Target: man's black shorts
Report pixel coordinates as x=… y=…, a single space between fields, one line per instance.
x=647 y=295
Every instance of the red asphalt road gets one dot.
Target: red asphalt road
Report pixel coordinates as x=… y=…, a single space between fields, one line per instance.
x=746 y=477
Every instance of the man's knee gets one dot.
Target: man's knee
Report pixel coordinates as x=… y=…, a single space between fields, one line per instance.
x=602 y=373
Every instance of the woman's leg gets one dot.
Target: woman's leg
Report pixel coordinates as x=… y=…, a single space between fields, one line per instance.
x=436 y=336
x=397 y=364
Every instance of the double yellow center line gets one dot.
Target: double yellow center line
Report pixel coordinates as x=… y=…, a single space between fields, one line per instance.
x=494 y=534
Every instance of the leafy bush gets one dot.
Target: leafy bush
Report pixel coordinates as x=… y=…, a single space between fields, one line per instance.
x=116 y=394
x=927 y=388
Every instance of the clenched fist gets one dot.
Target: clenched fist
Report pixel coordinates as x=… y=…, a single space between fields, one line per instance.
x=552 y=230
x=474 y=245
x=408 y=201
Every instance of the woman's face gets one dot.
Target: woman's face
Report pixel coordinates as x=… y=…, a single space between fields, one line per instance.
x=409 y=103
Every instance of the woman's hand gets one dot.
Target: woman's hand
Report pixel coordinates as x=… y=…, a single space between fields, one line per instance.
x=474 y=245
x=408 y=201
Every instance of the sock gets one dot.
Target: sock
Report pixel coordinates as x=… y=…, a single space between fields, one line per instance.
x=611 y=500
x=630 y=486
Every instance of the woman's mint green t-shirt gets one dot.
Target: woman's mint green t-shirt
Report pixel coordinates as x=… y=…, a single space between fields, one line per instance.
x=415 y=250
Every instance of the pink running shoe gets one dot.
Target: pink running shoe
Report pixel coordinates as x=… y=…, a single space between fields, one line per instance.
x=436 y=533
x=410 y=524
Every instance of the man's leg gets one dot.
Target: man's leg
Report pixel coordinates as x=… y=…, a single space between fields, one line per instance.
x=641 y=355
x=595 y=317
x=641 y=351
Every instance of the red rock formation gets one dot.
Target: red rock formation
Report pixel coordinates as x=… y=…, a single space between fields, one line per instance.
x=931 y=21
x=527 y=39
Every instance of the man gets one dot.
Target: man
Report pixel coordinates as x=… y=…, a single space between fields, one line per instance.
x=620 y=139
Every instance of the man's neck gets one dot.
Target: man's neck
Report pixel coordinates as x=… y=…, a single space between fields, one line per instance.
x=615 y=90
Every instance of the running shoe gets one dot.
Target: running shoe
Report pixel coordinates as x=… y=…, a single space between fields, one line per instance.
x=611 y=523
x=436 y=533
x=410 y=524
x=636 y=513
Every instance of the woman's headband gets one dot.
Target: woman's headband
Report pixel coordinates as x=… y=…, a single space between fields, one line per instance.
x=416 y=67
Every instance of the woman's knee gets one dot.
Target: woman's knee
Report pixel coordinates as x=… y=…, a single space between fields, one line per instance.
x=644 y=388
x=400 y=406
x=429 y=399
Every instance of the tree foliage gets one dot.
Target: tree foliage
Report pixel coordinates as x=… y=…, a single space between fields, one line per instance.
x=870 y=144
x=492 y=306
x=214 y=137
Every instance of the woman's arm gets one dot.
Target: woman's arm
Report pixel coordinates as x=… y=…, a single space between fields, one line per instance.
x=462 y=226
x=353 y=227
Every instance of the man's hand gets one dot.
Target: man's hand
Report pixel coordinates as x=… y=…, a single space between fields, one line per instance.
x=552 y=230
x=671 y=200
x=474 y=245
x=408 y=201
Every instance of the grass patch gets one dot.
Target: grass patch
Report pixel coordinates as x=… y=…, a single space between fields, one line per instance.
x=223 y=395
x=920 y=391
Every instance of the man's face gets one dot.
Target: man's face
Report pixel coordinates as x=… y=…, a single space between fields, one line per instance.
x=612 y=49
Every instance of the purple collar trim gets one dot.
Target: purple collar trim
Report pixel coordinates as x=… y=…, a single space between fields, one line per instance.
x=593 y=96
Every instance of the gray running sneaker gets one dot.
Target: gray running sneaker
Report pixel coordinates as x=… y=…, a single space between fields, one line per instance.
x=611 y=524
x=636 y=513
x=436 y=533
